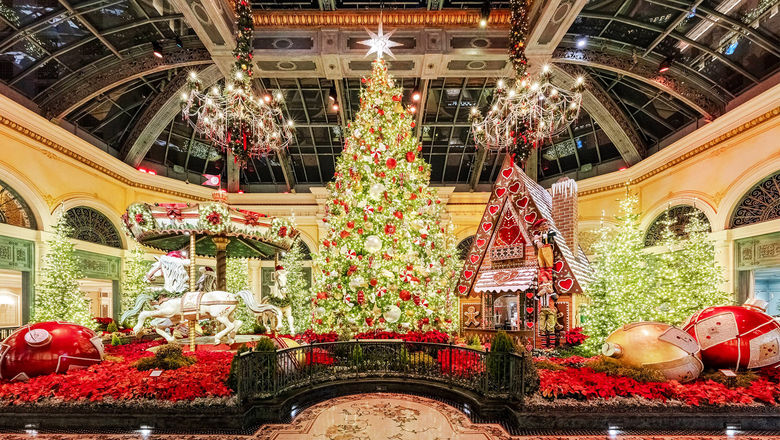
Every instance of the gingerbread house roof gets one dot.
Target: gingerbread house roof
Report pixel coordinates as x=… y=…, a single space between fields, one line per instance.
x=515 y=196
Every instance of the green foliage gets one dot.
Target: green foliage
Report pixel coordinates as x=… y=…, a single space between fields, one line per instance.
x=112 y=327
x=474 y=341
x=237 y=279
x=502 y=343
x=258 y=329
x=631 y=284
x=57 y=294
x=265 y=345
x=500 y=361
x=386 y=245
x=356 y=356
x=614 y=367
x=298 y=288
x=167 y=357
x=744 y=378
x=232 y=380
x=116 y=340
x=133 y=280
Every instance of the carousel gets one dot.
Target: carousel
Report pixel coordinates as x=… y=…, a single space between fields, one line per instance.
x=186 y=231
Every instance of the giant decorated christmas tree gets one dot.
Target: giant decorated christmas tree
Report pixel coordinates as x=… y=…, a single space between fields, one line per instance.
x=388 y=260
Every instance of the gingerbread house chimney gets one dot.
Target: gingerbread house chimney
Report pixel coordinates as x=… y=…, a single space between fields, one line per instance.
x=564 y=210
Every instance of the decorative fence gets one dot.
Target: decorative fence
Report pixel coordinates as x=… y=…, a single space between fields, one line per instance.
x=263 y=375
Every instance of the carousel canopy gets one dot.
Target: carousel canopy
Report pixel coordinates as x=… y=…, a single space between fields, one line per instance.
x=168 y=227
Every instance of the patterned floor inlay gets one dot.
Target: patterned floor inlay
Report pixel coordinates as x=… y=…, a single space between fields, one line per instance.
x=377 y=416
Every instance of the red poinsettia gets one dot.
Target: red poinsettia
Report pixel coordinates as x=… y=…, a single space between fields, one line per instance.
x=214 y=218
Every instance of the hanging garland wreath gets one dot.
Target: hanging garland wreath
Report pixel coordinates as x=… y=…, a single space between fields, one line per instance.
x=214 y=217
x=138 y=215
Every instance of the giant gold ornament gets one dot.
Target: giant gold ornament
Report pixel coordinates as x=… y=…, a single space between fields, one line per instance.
x=656 y=345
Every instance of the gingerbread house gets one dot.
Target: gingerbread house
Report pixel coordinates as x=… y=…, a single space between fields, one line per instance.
x=499 y=286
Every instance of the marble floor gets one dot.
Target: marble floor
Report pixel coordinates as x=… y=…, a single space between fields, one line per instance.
x=377 y=416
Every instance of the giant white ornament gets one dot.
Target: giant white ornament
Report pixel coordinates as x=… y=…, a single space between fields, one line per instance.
x=376 y=191
x=392 y=313
x=373 y=244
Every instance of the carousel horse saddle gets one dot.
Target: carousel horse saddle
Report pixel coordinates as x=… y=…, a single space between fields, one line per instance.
x=192 y=301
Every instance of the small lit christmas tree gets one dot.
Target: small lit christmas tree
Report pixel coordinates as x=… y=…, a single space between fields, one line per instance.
x=298 y=289
x=623 y=285
x=133 y=279
x=237 y=279
x=387 y=261
x=57 y=294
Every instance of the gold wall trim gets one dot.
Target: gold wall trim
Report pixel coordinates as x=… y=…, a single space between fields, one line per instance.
x=694 y=152
x=397 y=18
x=92 y=164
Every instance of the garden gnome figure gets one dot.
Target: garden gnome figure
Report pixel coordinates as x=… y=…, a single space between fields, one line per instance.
x=543 y=238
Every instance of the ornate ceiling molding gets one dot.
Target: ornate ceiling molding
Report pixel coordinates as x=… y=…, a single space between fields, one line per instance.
x=679 y=87
x=761 y=119
x=390 y=18
x=91 y=84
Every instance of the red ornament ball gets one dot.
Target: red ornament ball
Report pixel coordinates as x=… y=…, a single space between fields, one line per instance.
x=405 y=295
x=48 y=347
x=391 y=163
x=736 y=336
x=410 y=156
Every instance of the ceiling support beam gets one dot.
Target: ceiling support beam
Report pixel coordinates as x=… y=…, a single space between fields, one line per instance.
x=214 y=24
x=160 y=112
x=342 y=104
x=476 y=171
x=547 y=28
x=532 y=165
x=287 y=171
x=92 y=29
x=676 y=85
x=670 y=27
x=233 y=183
x=603 y=109
x=60 y=104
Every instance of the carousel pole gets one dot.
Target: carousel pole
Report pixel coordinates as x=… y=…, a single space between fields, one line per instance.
x=221 y=243
x=191 y=323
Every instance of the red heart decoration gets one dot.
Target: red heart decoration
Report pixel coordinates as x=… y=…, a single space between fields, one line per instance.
x=480 y=242
x=566 y=284
x=500 y=191
x=529 y=295
x=493 y=209
x=506 y=172
x=509 y=234
x=522 y=202
x=529 y=310
x=529 y=324
x=474 y=258
x=529 y=218
x=468 y=273
x=462 y=289
x=487 y=226
x=558 y=266
x=514 y=187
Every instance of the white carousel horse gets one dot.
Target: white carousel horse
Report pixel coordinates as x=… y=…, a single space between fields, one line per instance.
x=279 y=291
x=219 y=305
x=174 y=271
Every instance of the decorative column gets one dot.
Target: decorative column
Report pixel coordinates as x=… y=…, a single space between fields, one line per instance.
x=192 y=262
x=221 y=243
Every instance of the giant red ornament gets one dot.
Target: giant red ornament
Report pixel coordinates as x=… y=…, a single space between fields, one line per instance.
x=736 y=336
x=48 y=347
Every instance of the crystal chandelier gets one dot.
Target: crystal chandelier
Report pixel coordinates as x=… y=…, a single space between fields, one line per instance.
x=530 y=110
x=232 y=117
x=526 y=113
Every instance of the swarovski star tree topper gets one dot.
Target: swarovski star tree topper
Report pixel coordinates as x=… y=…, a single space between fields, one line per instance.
x=380 y=42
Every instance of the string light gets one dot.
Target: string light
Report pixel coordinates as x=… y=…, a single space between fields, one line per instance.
x=233 y=118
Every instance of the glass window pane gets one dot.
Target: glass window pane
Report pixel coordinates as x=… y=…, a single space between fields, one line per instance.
x=10 y=298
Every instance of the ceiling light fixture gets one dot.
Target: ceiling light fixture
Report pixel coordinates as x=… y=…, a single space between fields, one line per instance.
x=665 y=65
x=416 y=94
x=484 y=13
x=157 y=49
x=332 y=96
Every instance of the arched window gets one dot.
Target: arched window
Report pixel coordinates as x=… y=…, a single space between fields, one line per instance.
x=680 y=216
x=760 y=204
x=13 y=209
x=92 y=226
x=464 y=246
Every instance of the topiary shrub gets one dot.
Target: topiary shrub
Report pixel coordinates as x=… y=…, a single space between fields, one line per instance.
x=167 y=357
x=614 y=367
x=232 y=380
x=116 y=340
x=499 y=363
x=111 y=327
x=265 y=344
x=258 y=329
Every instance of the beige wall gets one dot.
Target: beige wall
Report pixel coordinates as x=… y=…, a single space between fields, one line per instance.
x=714 y=166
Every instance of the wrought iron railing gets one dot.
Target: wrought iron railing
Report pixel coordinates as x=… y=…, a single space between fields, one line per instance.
x=263 y=375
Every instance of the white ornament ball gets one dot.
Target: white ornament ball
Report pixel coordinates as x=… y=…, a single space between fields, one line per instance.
x=356 y=281
x=373 y=244
x=320 y=311
x=392 y=314
x=376 y=191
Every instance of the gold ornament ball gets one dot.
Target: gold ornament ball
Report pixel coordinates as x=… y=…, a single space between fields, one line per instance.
x=655 y=345
x=409 y=313
x=398 y=108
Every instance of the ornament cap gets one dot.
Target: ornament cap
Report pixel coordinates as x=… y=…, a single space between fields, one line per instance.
x=611 y=349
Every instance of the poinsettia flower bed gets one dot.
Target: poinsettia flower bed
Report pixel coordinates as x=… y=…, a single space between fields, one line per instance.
x=582 y=383
x=115 y=379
